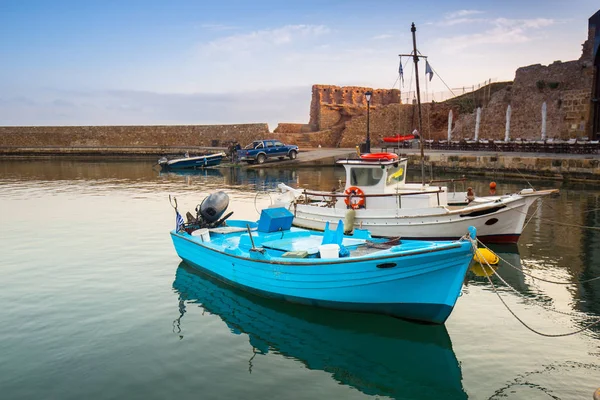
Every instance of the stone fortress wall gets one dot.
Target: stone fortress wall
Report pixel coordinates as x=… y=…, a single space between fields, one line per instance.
x=161 y=136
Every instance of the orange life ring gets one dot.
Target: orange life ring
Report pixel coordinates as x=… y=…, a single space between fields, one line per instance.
x=354 y=191
x=379 y=156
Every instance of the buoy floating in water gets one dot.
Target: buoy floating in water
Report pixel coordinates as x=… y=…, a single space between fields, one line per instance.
x=486 y=256
x=484 y=270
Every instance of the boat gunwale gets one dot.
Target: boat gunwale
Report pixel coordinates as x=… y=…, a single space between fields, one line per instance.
x=369 y=163
x=176 y=160
x=503 y=205
x=446 y=246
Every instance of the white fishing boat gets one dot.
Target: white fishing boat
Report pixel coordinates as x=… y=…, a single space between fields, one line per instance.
x=377 y=197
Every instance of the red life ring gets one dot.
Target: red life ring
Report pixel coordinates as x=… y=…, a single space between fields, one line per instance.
x=354 y=191
x=379 y=156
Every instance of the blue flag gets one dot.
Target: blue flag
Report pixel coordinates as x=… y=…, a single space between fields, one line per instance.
x=178 y=221
x=428 y=70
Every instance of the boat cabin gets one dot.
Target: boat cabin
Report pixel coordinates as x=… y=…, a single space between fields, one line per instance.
x=386 y=178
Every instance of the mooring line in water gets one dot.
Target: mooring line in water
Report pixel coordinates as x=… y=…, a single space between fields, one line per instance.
x=562 y=223
x=531 y=301
x=537 y=277
x=532 y=215
x=516 y=169
x=586 y=327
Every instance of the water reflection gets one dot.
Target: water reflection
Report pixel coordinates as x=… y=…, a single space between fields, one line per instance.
x=509 y=268
x=262 y=179
x=374 y=354
x=193 y=172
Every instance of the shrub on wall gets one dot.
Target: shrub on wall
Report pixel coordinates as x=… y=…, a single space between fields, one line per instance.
x=553 y=85
x=540 y=84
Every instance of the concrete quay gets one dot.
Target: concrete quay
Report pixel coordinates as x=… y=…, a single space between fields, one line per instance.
x=554 y=166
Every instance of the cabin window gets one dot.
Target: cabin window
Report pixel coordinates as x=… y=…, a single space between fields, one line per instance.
x=365 y=176
x=278 y=144
x=396 y=174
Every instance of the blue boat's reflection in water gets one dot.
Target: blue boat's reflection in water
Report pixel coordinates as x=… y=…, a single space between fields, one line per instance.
x=192 y=172
x=375 y=354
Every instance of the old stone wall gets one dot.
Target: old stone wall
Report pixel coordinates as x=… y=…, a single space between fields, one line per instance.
x=565 y=87
x=332 y=105
x=130 y=136
x=286 y=127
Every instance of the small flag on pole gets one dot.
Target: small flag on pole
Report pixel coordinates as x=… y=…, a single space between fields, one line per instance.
x=428 y=70
x=401 y=72
x=178 y=221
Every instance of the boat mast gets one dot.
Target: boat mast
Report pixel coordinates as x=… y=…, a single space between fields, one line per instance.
x=413 y=29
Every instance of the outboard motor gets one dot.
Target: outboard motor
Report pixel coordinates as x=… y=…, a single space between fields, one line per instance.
x=213 y=206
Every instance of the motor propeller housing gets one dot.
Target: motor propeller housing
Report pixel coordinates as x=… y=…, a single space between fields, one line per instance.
x=213 y=206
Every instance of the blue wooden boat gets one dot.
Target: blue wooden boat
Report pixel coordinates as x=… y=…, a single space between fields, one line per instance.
x=379 y=356
x=417 y=280
x=188 y=162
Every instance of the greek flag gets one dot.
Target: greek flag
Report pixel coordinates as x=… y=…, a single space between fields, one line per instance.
x=401 y=72
x=428 y=70
x=178 y=221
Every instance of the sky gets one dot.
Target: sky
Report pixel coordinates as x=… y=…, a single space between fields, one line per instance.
x=148 y=62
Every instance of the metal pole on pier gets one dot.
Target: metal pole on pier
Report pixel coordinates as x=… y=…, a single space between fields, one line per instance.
x=477 y=122
x=413 y=29
x=507 y=132
x=544 y=121
x=449 y=126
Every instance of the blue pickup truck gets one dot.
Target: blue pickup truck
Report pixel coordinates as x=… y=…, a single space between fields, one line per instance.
x=260 y=150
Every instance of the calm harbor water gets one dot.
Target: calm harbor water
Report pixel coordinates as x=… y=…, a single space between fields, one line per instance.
x=95 y=303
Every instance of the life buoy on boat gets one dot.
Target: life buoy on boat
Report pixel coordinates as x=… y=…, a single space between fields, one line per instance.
x=379 y=156
x=354 y=192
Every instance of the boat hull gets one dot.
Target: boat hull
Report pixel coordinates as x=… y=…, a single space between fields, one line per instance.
x=193 y=162
x=495 y=223
x=422 y=285
x=358 y=350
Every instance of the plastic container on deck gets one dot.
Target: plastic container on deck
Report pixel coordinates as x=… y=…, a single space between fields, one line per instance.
x=203 y=233
x=329 y=250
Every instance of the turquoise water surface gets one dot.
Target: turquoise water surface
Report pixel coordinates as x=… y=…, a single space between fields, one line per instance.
x=95 y=303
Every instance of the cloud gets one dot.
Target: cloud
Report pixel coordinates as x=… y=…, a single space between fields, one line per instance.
x=460 y=17
x=129 y=107
x=501 y=31
x=383 y=36
x=263 y=39
x=462 y=13
x=218 y=27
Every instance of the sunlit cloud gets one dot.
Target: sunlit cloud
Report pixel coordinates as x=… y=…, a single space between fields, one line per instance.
x=383 y=36
x=218 y=27
x=462 y=13
x=130 y=107
x=501 y=31
x=266 y=38
x=460 y=17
